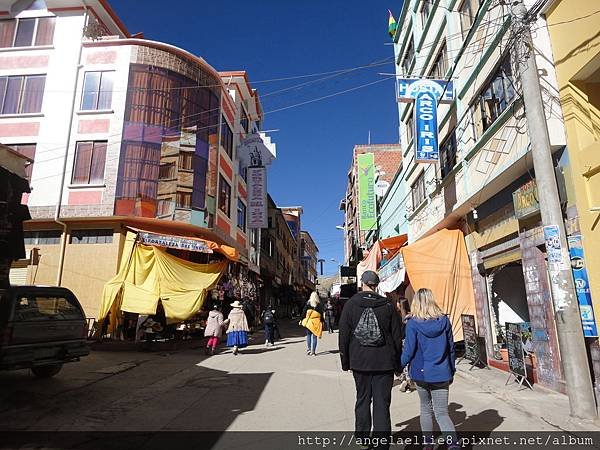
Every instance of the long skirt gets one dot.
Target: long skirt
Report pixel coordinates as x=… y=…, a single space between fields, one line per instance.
x=237 y=339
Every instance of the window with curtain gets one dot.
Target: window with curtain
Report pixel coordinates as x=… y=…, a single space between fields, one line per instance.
x=27 y=32
x=227 y=137
x=97 y=91
x=448 y=154
x=425 y=11
x=441 y=64
x=138 y=176
x=497 y=95
x=184 y=200
x=21 y=94
x=418 y=191
x=467 y=11
x=27 y=150
x=409 y=56
x=224 y=196
x=241 y=215
x=185 y=160
x=90 y=157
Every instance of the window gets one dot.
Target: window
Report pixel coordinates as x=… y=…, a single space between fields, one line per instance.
x=243 y=172
x=22 y=94
x=185 y=160
x=418 y=191
x=440 y=65
x=166 y=171
x=495 y=98
x=91 y=236
x=45 y=237
x=467 y=12
x=224 y=195
x=27 y=150
x=227 y=137
x=26 y=32
x=33 y=307
x=425 y=11
x=90 y=157
x=409 y=57
x=164 y=207
x=244 y=122
x=184 y=200
x=410 y=127
x=448 y=155
x=241 y=216
x=97 y=91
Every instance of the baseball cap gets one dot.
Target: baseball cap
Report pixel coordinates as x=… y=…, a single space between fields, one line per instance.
x=369 y=277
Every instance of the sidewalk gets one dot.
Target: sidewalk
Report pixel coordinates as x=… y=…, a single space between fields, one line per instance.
x=549 y=406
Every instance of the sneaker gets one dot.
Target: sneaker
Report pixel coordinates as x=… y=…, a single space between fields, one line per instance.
x=313 y=354
x=308 y=352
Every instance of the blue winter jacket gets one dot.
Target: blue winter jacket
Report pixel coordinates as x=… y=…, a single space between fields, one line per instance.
x=429 y=349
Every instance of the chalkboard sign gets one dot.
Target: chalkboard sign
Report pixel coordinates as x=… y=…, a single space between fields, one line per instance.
x=470 y=337
x=514 y=343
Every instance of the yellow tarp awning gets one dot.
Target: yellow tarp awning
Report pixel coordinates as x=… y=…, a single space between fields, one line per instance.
x=148 y=274
x=440 y=262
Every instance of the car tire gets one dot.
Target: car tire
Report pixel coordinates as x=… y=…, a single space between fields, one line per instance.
x=46 y=371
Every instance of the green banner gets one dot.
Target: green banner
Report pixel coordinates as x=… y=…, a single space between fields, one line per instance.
x=366 y=192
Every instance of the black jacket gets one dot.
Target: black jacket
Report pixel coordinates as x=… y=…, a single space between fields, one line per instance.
x=318 y=308
x=366 y=359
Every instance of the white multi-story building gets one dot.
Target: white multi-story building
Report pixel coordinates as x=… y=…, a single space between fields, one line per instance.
x=484 y=159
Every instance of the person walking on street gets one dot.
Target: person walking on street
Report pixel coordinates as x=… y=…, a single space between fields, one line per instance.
x=429 y=352
x=329 y=316
x=214 y=329
x=370 y=346
x=249 y=312
x=268 y=318
x=313 y=322
x=237 y=329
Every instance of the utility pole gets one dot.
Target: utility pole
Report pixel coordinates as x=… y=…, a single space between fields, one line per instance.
x=568 y=319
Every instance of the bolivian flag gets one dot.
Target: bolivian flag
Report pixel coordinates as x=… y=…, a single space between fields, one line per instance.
x=392 y=25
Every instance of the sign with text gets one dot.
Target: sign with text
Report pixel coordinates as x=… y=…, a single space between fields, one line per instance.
x=426 y=94
x=514 y=344
x=582 y=286
x=257 y=198
x=366 y=192
x=525 y=200
x=470 y=337
x=178 y=242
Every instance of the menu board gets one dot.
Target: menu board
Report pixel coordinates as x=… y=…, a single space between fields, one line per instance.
x=470 y=337
x=514 y=343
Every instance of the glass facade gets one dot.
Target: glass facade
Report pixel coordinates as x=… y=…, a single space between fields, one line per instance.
x=163 y=107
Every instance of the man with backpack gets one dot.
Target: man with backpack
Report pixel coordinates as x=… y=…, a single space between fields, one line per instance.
x=268 y=318
x=370 y=341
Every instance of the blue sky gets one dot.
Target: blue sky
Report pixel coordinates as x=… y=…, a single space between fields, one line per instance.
x=283 y=38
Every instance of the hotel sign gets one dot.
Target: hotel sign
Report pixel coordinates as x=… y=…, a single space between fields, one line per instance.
x=425 y=94
x=525 y=200
x=257 y=198
x=178 y=242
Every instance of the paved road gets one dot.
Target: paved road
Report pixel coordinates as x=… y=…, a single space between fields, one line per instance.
x=263 y=389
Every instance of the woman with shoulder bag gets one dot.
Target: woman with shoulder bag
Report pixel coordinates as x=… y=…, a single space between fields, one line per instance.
x=313 y=322
x=429 y=350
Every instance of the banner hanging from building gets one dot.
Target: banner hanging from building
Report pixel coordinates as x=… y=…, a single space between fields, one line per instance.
x=426 y=94
x=366 y=192
x=257 y=198
x=178 y=242
x=582 y=286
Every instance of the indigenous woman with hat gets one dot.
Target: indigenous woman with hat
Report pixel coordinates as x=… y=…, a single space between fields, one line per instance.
x=237 y=329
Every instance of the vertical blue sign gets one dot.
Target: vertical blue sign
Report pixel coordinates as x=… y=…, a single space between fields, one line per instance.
x=426 y=94
x=582 y=287
x=426 y=127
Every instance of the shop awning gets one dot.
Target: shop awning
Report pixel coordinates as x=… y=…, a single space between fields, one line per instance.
x=440 y=262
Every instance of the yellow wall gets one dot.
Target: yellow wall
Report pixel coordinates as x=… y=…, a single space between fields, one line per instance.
x=575 y=35
x=87 y=267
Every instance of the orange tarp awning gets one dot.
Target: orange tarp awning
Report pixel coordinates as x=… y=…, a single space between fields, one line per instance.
x=440 y=262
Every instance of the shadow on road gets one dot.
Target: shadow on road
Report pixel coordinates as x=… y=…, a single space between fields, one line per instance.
x=481 y=424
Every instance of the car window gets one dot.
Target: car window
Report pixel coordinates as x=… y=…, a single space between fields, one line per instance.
x=36 y=307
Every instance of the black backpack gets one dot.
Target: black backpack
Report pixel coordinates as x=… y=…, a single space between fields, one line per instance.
x=367 y=331
x=268 y=318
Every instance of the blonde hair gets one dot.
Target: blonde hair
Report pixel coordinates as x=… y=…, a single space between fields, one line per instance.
x=314 y=299
x=424 y=306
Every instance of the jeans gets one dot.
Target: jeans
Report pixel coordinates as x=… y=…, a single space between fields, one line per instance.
x=434 y=400
x=376 y=388
x=329 y=321
x=269 y=333
x=311 y=341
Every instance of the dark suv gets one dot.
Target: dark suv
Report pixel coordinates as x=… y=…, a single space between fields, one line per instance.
x=40 y=329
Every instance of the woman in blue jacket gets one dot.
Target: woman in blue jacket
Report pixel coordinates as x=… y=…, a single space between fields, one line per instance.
x=429 y=350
